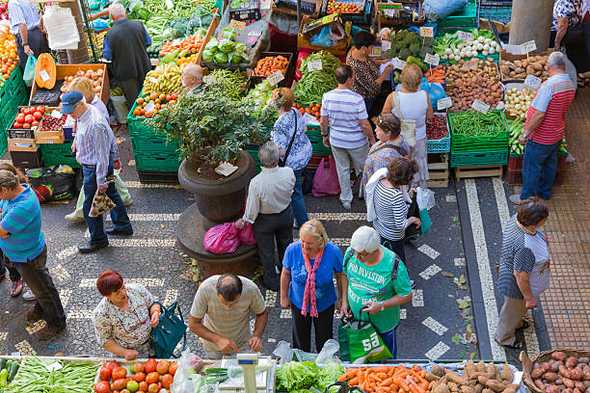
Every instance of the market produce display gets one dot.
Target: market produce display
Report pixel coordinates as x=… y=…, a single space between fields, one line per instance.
x=561 y=372
x=153 y=376
x=313 y=109
x=338 y=7
x=150 y=104
x=476 y=125
x=515 y=129
x=8 y=369
x=165 y=79
x=477 y=377
x=471 y=80
x=312 y=86
x=8 y=54
x=436 y=128
x=519 y=69
x=297 y=376
x=408 y=46
x=38 y=376
x=225 y=51
x=452 y=48
x=268 y=65
x=45 y=71
x=387 y=378
x=192 y=44
x=51 y=122
x=518 y=102
x=95 y=76
x=28 y=117
x=259 y=97
x=436 y=74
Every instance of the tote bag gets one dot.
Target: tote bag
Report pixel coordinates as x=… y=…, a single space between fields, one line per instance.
x=170 y=330
x=360 y=343
x=325 y=180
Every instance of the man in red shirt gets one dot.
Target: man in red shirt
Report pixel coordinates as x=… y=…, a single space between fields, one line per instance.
x=544 y=130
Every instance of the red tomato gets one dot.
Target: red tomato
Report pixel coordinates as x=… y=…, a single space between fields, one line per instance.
x=102 y=387
x=35 y=123
x=26 y=125
x=29 y=119
x=23 y=109
x=28 y=111
x=37 y=115
x=119 y=373
x=111 y=364
x=105 y=373
x=20 y=118
x=17 y=125
x=40 y=108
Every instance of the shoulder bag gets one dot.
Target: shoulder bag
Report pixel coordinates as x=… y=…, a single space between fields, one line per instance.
x=170 y=330
x=283 y=160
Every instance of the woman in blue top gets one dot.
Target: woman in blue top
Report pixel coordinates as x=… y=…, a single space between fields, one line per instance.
x=289 y=122
x=307 y=285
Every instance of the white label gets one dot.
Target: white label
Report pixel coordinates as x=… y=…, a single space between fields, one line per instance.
x=56 y=114
x=463 y=35
x=444 y=103
x=390 y=12
x=314 y=65
x=433 y=60
x=500 y=105
x=533 y=82
x=385 y=45
x=169 y=4
x=54 y=366
x=44 y=75
x=480 y=106
x=397 y=63
x=150 y=107
x=528 y=46
x=275 y=78
x=225 y=169
x=375 y=51
x=427 y=32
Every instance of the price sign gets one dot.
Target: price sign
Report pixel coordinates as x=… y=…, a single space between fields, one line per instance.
x=275 y=78
x=314 y=65
x=433 y=60
x=397 y=63
x=375 y=51
x=426 y=32
x=44 y=75
x=444 y=103
x=385 y=45
x=528 y=46
x=533 y=82
x=463 y=35
x=500 y=105
x=480 y=106
x=56 y=114
x=54 y=366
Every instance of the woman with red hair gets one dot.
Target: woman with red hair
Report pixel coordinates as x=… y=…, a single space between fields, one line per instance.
x=124 y=318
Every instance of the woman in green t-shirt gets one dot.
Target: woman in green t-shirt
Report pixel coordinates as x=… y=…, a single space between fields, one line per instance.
x=377 y=284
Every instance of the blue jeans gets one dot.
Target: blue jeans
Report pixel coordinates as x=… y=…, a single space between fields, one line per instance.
x=539 y=167
x=297 y=201
x=390 y=341
x=118 y=214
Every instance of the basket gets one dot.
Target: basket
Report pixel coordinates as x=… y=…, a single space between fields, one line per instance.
x=527 y=364
x=442 y=145
x=467 y=18
x=479 y=158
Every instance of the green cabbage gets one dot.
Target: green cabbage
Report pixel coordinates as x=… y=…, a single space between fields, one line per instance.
x=220 y=58
x=226 y=46
x=208 y=55
x=235 y=58
x=229 y=33
x=301 y=376
x=212 y=44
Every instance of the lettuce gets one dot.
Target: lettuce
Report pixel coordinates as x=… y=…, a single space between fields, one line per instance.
x=303 y=377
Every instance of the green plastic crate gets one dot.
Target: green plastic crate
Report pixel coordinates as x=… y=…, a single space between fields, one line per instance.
x=153 y=144
x=471 y=143
x=315 y=137
x=467 y=18
x=58 y=154
x=3 y=142
x=253 y=151
x=165 y=162
x=479 y=158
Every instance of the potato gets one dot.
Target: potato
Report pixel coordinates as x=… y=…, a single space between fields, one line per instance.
x=491 y=370
x=586 y=383
x=456 y=378
x=466 y=389
x=558 y=355
x=550 y=376
x=587 y=390
x=495 y=385
x=539 y=383
x=438 y=370
x=481 y=367
x=478 y=388
x=453 y=387
x=441 y=388
x=571 y=362
x=568 y=383
x=551 y=389
x=537 y=373
x=555 y=365
x=580 y=385
x=431 y=377
x=576 y=390
x=564 y=372
x=576 y=374
x=486 y=390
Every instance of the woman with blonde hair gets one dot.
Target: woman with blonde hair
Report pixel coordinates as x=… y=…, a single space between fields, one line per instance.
x=86 y=87
x=412 y=106
x=307 y=285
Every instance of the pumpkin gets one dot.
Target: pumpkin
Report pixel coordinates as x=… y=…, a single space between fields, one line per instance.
x=45 y=72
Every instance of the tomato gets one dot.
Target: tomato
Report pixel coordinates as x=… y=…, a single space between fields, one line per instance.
x=40 y=108
x=119 y=384
x=112 y=364
x=28 y=111
x=26 y=125
x=167 y=381
x=119 y=373
x=153 y=388
x=29 y=118
x=172 y=368
x=162 y=367
x=35 y=124
x=138 y=367
x=152 y=377
x=102 y=387
x=23 y=109
x=140 y=376
x=37 y=115
x=17 y=125
x=20 y=118
x=143 y=386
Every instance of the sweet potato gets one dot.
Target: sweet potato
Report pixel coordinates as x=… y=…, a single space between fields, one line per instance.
x=555 y=365
x=453 y=387
x=586 y=376
x=568 y=383
x=558 y=355
x=441 y=388
x=481 y=367
x=486 y=390
x=466 y=389
x=510 y=389
x=576 y=390
x=571 y=362
x=491 y=371
x=580 y=385
x=550 y=376
x=576 y=374
x=506 y=374
x=438 y=370
x=456 y=378
x=552 y=389
x=478 y=388
x=564 y=372
x=495 y=385
x=539 y=383
x=430 y=377
x=537 y=373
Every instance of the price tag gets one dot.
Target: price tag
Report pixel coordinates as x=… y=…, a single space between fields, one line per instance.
x=500 y=105
x=426 y=32
x=54 y=366
x=533 y=82
x=236 y=24
x=433 y=60
x=169 y=4
x=314 y=65
x=150 y=107
x=444 y=103
x=465 y=36
x=397 y=63
x=480 y=106
x=56 y=114
x=391 y=13
x=528 y=46
x=385 y=45
x=275 y=78
x=375 y=51
x=44 y=75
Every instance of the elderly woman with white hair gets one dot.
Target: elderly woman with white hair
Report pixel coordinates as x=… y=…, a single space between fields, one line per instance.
x=377 y=284
x=192 y=77
x=307 y=285
x=268 y=207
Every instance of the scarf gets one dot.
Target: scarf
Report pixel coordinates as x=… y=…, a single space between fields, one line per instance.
x=309 y=295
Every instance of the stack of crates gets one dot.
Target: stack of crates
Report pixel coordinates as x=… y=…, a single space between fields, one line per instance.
x=13 y=94
x=58 y=154
x=466 y=19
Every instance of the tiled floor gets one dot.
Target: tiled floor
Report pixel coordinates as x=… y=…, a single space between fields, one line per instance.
x=567 y=303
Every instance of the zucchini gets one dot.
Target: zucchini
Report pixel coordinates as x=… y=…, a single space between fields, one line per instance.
x=12 y=371
x=2 y=364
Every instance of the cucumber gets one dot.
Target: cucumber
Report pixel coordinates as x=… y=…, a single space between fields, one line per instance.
x=12 y=371
x=2 y=363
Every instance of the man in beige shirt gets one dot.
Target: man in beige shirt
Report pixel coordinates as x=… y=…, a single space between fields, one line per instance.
x=268 y=207
x=221 y=313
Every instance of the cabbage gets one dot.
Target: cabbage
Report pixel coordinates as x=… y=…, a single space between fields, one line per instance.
x=297 y=376
x=235 y=58
x=229 y=33
x=220 y=58
x=212 y=44
x=208 y=55
x=226 y=46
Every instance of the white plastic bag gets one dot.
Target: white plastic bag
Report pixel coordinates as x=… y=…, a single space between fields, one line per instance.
x=185 y=377
x=425 y=198
x=121 y=110
x=62 y=31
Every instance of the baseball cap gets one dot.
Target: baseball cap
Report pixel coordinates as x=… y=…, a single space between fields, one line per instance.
x=69 y=101
x=365 y=239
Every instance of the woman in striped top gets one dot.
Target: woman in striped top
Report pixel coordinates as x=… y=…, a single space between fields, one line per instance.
x=390 y=201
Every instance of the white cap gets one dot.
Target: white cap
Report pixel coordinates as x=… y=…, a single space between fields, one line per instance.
x=365 y=239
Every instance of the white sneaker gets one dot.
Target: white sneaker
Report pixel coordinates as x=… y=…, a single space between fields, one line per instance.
x=74 y=218
x=28 y=295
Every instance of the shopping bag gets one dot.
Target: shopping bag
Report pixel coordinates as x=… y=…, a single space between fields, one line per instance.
x=101 y=204
x=246 y=235
x=325 y=180
x=170 y=330
x=29 y=73
x=425 y=201
x=360 y=343
x=222 y=239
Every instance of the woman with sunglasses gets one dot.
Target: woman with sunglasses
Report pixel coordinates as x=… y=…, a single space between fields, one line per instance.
x=377 y=284
x=125 y=317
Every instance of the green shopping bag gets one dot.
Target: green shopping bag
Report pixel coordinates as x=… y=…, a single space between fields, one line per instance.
x=170 y=330
x=29 y=73
x=360 y=343
x=425 y=221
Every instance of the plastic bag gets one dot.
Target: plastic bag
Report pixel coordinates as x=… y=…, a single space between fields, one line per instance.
x=325 y=180
x=246 y=235
x=425 y=199
x=323 y=38
x=29 y=73
x=101 y=204
x=327 y=355
x=188 y=364
x=222 y=239
x=121 y=110
x=438 y=9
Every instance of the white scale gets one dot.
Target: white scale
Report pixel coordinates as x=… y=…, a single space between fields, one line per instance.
x=250 y=381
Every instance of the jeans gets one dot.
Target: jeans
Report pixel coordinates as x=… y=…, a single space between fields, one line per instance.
x=390 y=340
x=297 y=201
x=268 y=230
x=302 y=328
x=345 y=158
x=12 y=270
x=118 y=214
x=397 y=246
x=539 y=168
x=47 y=302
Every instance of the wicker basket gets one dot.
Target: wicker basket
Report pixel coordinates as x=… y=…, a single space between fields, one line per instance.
x=527 y=364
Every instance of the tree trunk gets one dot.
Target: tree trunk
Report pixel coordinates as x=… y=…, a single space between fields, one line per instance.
x=531 y=20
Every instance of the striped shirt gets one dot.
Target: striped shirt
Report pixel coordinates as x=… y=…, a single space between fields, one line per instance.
x=515 y=257
x=94 y=142
x=554 y=99
x=21 y=217
x=22 y=12
x=345 y=109
x=391 y=212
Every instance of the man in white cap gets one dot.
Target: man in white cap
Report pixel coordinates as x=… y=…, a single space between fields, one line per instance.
x=378 y=284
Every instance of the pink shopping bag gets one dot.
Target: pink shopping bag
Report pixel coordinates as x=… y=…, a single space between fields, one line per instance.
x=325 y=180
x=222 y=239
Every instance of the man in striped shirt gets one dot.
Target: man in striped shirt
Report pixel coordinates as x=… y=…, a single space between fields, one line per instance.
x=544 y=130
x=26 y=25
x=345 y=127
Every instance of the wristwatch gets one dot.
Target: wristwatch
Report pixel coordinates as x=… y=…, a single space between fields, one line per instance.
x=382 y=306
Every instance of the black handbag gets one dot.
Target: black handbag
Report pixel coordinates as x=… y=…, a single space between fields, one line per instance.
x=283 y=160
x=412 y=231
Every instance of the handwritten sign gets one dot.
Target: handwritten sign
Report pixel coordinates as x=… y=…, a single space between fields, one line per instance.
x=480 y=106
x=533 y=82
x=463 y=35
x=314 y=65
x=426 y=32
x=444 y=103
x=385 y=45
x=431 y=59
x=397 y=63
x=375 y=51
x=275 y=78
x=528 y=46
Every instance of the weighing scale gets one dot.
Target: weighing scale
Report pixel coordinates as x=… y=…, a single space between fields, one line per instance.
x=258 y=374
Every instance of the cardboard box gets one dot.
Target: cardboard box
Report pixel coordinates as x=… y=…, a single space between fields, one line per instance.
x=49 y=137
x=22 y=144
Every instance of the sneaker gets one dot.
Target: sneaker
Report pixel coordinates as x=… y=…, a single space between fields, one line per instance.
x=17 y=288
x=346 y=205
x=28 y=295
x=74 y=218
x=515 y=199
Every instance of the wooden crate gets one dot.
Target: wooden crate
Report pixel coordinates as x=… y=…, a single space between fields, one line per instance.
x=438 y=170
x=478 y=171
x=63 y=70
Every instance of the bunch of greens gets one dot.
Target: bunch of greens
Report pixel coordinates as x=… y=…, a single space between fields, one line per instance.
x=259 y=97
x=225 y=50
x=329 y=61
x=306 y=376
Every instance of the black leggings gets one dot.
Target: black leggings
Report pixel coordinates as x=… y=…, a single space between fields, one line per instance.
x=396 y=246
x=302 y=328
